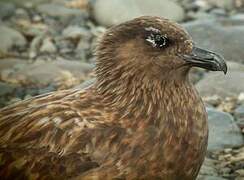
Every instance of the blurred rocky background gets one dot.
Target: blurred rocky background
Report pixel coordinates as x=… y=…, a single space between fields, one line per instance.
x=47 y=45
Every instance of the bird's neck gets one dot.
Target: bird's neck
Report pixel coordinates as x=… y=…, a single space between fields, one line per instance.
x=140 y=95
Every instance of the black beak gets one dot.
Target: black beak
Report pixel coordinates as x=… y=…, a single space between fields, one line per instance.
x=206 y=59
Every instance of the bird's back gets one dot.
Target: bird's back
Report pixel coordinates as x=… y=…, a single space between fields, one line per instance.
x=49 y=137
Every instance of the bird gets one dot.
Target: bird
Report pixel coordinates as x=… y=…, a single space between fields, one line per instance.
x=141 y=119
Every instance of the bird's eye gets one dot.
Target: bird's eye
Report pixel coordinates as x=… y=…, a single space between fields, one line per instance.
x=158 y=40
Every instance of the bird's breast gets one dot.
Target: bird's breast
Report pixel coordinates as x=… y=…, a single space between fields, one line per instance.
x=172 y=146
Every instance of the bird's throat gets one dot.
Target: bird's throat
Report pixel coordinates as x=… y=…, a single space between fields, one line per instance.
x=144 y=97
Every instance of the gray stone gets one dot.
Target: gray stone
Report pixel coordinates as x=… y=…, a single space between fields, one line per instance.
x=58 y=10
x=6 y=10
x=241 y=98
x=226 y=4
x=10 y=63
x=65 y=45
x=47 y=89
x=9 y=39
x=48 y=46
x=209 y=170
x=35 y=46
x=75 y=32
x=219 y=12
x=59 y=73
x=6 y=89
x=224 y=36
x=200 y=15
x=239 y=115
x=23 y=2
x=239 y=16
x=229 y=85
x=22 y=14
x=207 y=177
x=202 y=5
x=235 y=66
x=239 y=112
x=215 y=83
x=111 y=12
x=196 y=74
x=223 y=132
x=83 y=45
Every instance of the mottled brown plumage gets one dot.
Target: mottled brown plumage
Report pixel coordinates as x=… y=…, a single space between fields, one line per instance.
x=141 y=119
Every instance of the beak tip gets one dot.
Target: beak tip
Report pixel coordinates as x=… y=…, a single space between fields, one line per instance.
x=225 y=71
x=224 y=68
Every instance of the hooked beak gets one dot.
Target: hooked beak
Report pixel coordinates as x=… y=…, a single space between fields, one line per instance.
x=205 y=59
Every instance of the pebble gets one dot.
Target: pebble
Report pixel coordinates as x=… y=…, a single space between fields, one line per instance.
x=24 y=2
x=6 y=10
x=239 y=115
x=199 y=15
x=239 y=112
x=228 y=105
x=47 y=89
x=224 y=4
x=238 y=16
x=127 y=9
x=214 y=100
x=75 y=32
x=6 y=89
x=21 y=13
x=35 y=46
x=48 y=46
x=231 y=163
x=210 y=178
x=60 y=73
x=241 y=97
x=209 y=170
x=240 y=172
x=223 y=132
x=65 y=46
x=219 y=12
x=58 y=10
x=10 y=38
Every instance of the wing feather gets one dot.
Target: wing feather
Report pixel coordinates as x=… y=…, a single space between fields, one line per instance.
x=49 y=136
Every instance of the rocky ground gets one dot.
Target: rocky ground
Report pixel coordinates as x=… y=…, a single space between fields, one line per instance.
x=47 y=45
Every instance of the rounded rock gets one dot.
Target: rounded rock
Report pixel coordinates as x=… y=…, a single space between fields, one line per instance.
x=112 y=12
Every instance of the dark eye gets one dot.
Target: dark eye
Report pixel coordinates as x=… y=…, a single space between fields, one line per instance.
x=161 y=41
x=158 y=40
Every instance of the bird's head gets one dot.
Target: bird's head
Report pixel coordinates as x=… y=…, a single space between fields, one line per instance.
x=154 y=46
x=149 y=49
